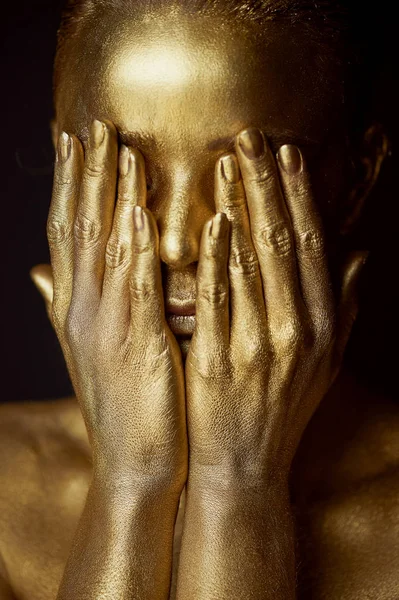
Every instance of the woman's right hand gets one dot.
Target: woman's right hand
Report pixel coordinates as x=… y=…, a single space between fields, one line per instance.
x=108 y=313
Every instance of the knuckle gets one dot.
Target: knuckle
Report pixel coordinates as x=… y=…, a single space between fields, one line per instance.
x=275 y=238
x=214 y=294
x=57 y=231
x=255 y=352
x=264 y=175
x=63 y=180
x=289 y=336
x=125 y=201
x=115 y=254
x=142 y=291
x=234 y=202
x=311 y=242
x=86 y=229
x=94 y=170
x=244 y=261
x=145 y=249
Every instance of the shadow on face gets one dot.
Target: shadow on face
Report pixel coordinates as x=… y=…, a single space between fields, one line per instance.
x=180 y=87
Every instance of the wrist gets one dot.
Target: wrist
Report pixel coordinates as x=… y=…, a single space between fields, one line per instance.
x=234 y=483
x=247 y=529
x=125 y=487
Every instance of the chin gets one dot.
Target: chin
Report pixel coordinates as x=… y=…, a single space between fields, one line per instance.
x=184 y=344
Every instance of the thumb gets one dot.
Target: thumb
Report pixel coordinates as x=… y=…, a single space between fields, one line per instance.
x=349 y=302
x=42 y=277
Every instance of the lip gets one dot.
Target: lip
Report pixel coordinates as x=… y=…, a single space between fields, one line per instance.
x=181 y=309
x=181 y=324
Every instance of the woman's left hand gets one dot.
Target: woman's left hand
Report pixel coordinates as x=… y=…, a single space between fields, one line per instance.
x=269 y=337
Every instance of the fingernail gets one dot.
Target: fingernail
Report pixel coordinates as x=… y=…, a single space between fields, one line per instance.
x=290 y=159
x=97 y=133
x=64 y=147
x=138 y=218
x=220 y=226
x=230 y=169
x=124 y=161
x=251 y=142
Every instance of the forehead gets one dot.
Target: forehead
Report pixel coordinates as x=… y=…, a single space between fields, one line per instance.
x=190 y=79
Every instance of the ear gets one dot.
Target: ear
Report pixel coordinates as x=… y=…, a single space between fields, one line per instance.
x=42 y=277
x=370 y=157
x=54 y=133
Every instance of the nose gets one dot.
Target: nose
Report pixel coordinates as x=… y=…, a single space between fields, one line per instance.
x=182 y=212
x=178 y=245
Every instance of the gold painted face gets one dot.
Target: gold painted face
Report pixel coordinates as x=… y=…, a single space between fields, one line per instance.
x=180 y=87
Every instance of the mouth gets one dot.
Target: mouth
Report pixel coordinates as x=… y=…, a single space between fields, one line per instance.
x=180 y=316
x=181 y=325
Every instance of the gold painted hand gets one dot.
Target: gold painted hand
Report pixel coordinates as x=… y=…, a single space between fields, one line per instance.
x=269 y=338
x=108 y=312
x=267 y=345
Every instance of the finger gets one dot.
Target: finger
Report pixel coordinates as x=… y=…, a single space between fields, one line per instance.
x=132 y=184
x=308 y=234
x=246 y=292
x=132 y=190
x=270 y=227
x=348 y=304
x=42 y=277
x=61 y=217
x=94 y=218
x=147 y=323
x=212 y=294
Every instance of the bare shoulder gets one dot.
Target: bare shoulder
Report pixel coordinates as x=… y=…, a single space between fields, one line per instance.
x=348 y=542
x=36 y=437
x=44 y=477
x=352 y=438
x=40 y=444
x=346 y=487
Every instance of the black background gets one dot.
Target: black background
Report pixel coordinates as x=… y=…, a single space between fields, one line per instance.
x=32 y=365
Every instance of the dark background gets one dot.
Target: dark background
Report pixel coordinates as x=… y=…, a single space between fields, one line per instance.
x=32 y=365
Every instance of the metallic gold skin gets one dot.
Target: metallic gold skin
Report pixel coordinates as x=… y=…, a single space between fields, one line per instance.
x=108 y=313
x=199 y=164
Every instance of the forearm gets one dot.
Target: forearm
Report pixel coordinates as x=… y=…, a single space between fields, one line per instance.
x=122 y=547
x=237 y=544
